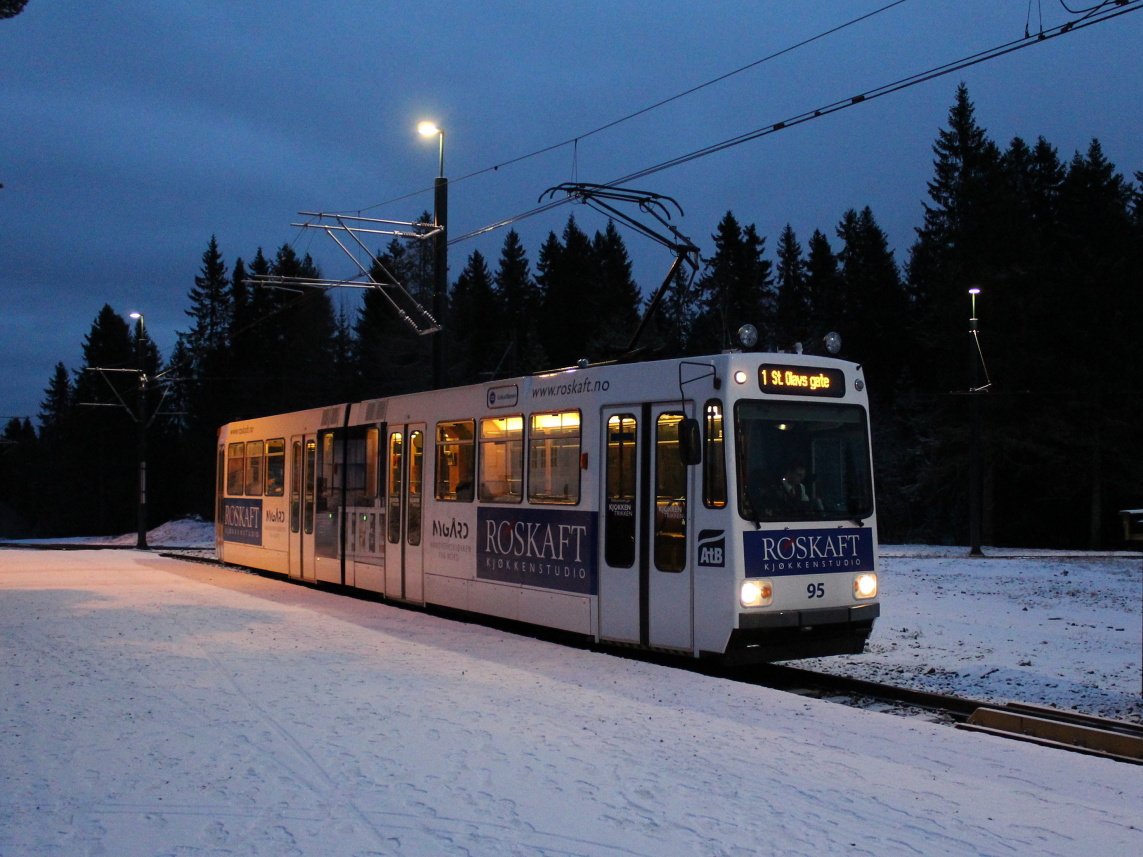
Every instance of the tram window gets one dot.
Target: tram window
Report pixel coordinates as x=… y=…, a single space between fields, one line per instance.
x=329 y=475
x=361 y=466
x=255 y=452
x=456 y=460
x=396 y=454
x=670 y=496
x=553 y=458
x=416 y=481
x=275 y=467
x=310 y=467
x=619 y=517
x=802 y=461
x=502 y=459
x=713 y=457
x=296 y=487
x=235 y=468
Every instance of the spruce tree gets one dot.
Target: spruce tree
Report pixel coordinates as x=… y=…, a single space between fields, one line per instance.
x=569 y=281
x=956 y=247
x=617 y=313
x=58 y=406
x=474 y=314
x=874 y=327
x=517 y=349
x=794 y=319
x=212 y=309
x=735 y=288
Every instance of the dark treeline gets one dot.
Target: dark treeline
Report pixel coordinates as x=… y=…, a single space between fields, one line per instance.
x=1055 y=246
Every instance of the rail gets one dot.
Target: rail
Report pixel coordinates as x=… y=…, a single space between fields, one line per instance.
x=1049 y=727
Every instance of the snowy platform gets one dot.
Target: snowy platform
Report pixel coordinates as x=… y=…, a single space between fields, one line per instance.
x=158 y=707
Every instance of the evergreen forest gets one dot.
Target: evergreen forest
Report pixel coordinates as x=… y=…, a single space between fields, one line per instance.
x=1055 y=245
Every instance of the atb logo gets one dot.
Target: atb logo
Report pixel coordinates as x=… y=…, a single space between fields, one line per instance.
x=712 y=548
x=503 y=397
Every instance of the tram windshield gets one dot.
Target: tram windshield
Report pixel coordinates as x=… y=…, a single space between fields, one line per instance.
x=802 y=461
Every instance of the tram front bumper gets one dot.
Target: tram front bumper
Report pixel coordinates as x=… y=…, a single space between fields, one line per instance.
x=790 y=634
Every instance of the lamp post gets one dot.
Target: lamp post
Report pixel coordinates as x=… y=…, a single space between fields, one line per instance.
x=974 y=480
x=141 y=423
x=440 y=256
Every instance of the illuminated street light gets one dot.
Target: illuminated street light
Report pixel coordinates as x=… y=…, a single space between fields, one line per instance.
x=430 y=129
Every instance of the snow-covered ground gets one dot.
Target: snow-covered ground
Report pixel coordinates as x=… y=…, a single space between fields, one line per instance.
x=1041 y=627
x=153 y=706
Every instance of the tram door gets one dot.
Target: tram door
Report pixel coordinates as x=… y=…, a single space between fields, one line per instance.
x=404 y=568
x=646 y=582
x=303 y=500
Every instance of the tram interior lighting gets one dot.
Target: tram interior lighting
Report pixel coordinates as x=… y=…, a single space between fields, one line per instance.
x=865 y=586
x=756 y=593
x=566 y=419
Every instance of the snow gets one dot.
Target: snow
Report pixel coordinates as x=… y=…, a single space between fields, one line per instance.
x=156 y=706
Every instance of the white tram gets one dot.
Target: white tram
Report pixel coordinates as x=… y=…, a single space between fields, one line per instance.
x=711 y=506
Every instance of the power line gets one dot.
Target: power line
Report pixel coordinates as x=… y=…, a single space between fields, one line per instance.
x=1111 y=9
x=574 y=141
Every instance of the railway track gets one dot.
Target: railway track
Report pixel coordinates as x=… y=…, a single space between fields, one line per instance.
x=1048 y=727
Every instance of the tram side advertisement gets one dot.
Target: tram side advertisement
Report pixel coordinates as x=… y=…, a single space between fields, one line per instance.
x=538 y=547
x=242 y=520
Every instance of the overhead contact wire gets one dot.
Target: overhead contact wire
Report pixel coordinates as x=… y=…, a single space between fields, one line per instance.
x=837 y=106
x=574 y=140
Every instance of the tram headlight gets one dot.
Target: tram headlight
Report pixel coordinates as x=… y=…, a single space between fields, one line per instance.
x=756 y=593
x=865 y=586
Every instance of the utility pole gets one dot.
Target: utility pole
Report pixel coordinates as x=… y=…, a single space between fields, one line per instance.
x=141 y=425
x=974 y=466
x=440 y=254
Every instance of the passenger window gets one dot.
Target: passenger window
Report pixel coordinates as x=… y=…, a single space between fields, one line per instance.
x=713 y=457
x=396 y=454
x=502 y=459
x=255 y=450
x=275 y=467
x=329 y=476
x=553 y=458
x=296 y=488
x=670 y=496
x=361 y=466
x=235 y=468
x=416 y=477
x=619 y=516
x=310 y=470
x=456 y=460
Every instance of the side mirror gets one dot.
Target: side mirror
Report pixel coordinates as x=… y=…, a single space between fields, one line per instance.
x=690 y=441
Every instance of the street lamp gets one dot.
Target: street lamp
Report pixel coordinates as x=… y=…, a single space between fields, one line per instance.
x=440 y=256
x=430 y=129
x=141 y=422
x=974 y=480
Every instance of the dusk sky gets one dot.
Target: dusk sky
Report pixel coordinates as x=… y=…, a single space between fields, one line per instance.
x=131 y=131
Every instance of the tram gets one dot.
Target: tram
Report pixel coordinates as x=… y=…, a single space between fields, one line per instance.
x=719 y=506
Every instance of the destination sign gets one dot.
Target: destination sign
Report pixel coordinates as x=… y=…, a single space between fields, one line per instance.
x=801 y=380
